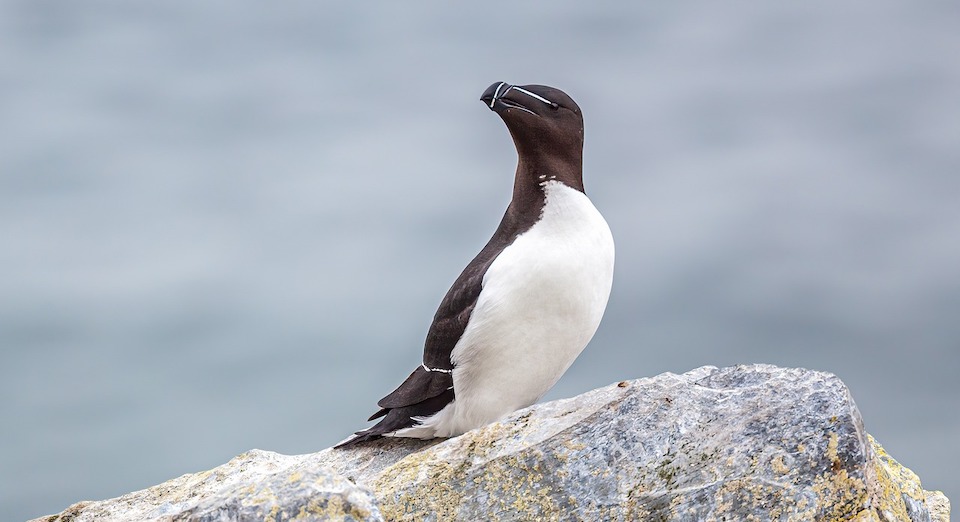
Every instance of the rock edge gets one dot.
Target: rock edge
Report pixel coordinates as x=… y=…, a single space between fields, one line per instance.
x=746 y=442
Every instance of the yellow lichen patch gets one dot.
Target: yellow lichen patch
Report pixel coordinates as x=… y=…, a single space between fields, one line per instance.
x=331 y=508
x=434 y=495
x=868 y=515
x=845 y=495
x=893 y=481
x=514 y=477
x=334 y=507
x=725 y=495
x=835 y=488
x=778 y=465
x=832 y=446
x=512 y=483
x=751 y=498
x=263 y=496
x=273 y=514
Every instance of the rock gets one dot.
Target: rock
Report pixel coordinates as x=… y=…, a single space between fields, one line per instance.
x=743 y=443
x=256 y=485
x=752 y=442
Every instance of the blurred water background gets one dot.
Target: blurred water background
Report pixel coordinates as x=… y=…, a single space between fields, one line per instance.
x=226 y=226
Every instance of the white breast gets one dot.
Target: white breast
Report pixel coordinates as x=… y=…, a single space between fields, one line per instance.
x=542 y=300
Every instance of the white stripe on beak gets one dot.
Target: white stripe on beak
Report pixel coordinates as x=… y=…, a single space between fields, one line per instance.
x=496 y=93
x=537 y=96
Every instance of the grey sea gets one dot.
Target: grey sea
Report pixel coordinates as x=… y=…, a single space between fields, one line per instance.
x=227 y=226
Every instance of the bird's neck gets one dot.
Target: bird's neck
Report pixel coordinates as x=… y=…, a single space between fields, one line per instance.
x=534 y=171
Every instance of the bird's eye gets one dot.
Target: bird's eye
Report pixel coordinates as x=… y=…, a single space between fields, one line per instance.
x=554 y=105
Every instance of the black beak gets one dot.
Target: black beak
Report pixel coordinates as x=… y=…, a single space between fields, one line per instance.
x=494 y=93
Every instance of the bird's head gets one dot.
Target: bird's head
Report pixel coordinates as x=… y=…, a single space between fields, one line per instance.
x=542 y=120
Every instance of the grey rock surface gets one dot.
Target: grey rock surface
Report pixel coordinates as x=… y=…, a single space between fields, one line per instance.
x=256 y=485
x=743 y=443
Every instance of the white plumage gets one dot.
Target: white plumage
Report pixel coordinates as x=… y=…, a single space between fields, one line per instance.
x=541 y=302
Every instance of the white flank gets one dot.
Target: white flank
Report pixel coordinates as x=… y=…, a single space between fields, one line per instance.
x=542 y=300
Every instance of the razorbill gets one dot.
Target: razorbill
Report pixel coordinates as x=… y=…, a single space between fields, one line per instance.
x=527 y=305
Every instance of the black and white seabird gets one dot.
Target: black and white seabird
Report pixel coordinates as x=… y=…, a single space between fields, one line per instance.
x=527 y=305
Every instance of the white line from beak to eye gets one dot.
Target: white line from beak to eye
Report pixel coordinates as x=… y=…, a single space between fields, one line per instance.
x=495 y=93
x=537 y=96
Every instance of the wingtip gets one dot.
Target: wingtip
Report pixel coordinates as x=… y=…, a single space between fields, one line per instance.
x=381 y=413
